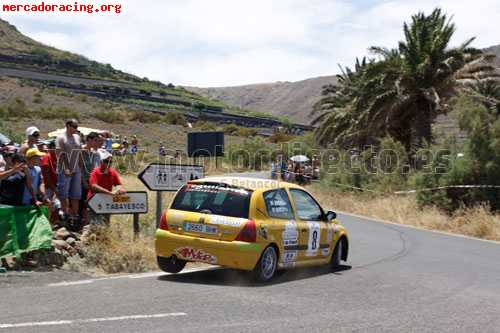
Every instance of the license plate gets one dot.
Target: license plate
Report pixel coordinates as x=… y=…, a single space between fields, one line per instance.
x=200 y=228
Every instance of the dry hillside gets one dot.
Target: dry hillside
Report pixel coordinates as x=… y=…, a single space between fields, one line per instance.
x=291 y=99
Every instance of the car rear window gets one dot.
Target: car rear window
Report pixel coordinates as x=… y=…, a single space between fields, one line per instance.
x=213 y=199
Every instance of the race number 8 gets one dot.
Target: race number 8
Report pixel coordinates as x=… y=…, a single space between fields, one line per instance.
x=314 y=238
x=314 y=243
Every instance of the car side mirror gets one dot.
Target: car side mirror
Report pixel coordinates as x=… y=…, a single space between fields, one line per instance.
x=330 y=216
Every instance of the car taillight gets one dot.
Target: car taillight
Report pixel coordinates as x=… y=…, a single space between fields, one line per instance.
x=248 y=233
x=163 y=221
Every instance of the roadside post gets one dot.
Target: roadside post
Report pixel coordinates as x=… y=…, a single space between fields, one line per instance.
x=130 y=203
x=160 y=177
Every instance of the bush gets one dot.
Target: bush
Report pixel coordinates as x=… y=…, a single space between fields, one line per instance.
x=205 y=126
x=252 y=154
x=110 y=117
x=280 y=137
x=175 y=118
x=246 y=132
x=145 y=117
x=476 y=163
x=18 y=109
x=230 y=129
x=54 y=113
x=37 y=98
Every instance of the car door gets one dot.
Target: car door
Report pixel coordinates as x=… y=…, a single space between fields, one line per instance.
x=291 y=241
x=317 y=231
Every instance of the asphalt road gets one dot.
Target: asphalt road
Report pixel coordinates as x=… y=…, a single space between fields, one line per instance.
x=397 y=279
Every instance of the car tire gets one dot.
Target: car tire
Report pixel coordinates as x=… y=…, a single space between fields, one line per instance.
x=337 y=254
x=171 y=264
x=267 y=266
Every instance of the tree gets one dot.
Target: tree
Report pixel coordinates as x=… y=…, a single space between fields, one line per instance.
x=400 y=92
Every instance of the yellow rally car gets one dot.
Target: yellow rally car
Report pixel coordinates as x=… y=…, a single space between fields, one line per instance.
x=249 y=224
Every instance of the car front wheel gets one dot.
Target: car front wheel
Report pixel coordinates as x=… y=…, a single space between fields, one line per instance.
x=337 y=254
x=267 y=265
x=171 y=264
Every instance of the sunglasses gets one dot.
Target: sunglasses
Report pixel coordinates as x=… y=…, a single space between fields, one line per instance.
x=35 y=134
x=107 y=161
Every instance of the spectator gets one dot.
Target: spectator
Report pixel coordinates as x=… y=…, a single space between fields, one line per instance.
x=103 y=179
x=69 y=177
x=135 y=144
x=32 y=139
x=48 y=165
x=34 y=190
x=273 y=169
x=282 y=168
x=125 y=146
x=108 y=143
x=13 y=181
x=90 y=161
x=3 y=163
x=162 y=151
x=6 y=152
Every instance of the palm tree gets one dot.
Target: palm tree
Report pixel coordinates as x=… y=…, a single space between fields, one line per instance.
x=402 y=92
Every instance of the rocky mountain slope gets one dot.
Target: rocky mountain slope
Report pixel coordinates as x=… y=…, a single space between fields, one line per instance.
x=292 y=99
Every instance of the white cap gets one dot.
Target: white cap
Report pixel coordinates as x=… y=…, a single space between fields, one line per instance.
x=31 y=130
x=104 y=154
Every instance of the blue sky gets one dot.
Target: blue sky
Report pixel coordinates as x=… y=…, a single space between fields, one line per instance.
x=234 y=42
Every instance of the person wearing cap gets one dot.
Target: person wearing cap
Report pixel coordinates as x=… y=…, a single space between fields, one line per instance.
x=69 y=177
x=34 y=192
x=103 y=179
x=90 y=161
x=32 y=139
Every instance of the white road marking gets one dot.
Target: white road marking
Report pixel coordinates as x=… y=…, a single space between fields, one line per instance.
x=92 y=320
x=128 y=276
x=373 y=219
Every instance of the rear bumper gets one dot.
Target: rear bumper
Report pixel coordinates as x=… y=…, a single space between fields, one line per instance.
x=238 y=255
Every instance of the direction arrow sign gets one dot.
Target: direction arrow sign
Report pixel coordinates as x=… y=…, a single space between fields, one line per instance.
x=169 y=177
x=128 y=203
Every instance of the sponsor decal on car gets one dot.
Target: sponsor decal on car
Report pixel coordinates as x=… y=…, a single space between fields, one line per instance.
x=227 y=221
x=290 y=234
x=289 y=256
x=329 y=235
x=262 y=231
x=189 y=253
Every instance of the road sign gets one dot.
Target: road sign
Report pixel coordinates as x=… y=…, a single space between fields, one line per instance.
x=128 y=203
x=169 y=177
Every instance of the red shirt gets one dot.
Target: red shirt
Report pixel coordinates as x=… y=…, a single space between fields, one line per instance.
x=104 y=180
x=48 y=163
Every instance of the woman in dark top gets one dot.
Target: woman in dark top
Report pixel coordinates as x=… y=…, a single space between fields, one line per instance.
x=12 y=185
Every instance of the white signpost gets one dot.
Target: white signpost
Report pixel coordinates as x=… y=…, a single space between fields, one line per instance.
x=128 y=203
x=168 y=177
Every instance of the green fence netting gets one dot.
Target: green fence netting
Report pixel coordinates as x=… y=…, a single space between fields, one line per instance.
x=24 y=229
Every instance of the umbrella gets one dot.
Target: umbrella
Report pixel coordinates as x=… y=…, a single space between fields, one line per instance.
x=299 y=158
x=83 y=130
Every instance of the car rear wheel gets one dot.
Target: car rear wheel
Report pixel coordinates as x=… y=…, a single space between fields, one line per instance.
x=171 y=264
x=267 y=265
x=337 y=254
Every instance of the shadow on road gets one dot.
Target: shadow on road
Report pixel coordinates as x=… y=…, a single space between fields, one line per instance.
x=229 y=277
